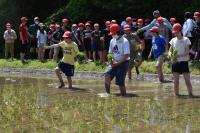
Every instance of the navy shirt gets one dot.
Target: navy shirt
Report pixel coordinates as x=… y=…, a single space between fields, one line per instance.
x=158 y=46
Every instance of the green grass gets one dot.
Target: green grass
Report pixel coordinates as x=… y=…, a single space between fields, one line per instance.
x=146 y=67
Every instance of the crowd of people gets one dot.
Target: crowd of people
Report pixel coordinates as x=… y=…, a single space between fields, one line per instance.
x=129 y=42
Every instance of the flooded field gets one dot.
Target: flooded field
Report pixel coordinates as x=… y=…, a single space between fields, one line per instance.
x=35 y=105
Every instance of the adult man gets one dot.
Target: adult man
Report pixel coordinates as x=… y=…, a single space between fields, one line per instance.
x=156 y=14
x=33 y=40
x=120 y=50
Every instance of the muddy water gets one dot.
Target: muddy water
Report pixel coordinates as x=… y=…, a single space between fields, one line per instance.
x=36 y=105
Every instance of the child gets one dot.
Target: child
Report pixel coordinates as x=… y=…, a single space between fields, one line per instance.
x=67 y=64
x=133 y=41
x=57 y=37
x=87 y=40
x=180 y=65
x=96 y=43
x=50 y=39
x=10 y=37
x=42 y=41
x=106 y=38
x=120 y=50
x=159 y=46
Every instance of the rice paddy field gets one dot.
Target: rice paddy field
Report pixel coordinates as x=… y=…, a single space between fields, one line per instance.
x=36 y=105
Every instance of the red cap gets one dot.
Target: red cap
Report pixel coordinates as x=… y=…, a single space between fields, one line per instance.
x=129 y=19
x=147 y=20
x=81 y=25
x=127 y=27
x=52 y=26
x=160 y=20
x=57 y=26
x=8 y=25
x=196 y=14
x=154 y=29
x=67 y=34
x=23 y=19
x=176 y=28
x=140 y=21
x=113 y=21
x=114 y=29
x=107 y=23
x=172 y=19
x=64 y=20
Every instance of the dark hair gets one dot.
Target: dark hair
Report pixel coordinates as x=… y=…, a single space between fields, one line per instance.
x=188 y=15
x=41 y=30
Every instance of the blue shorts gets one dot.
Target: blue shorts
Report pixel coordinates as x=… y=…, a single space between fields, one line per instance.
x=67 y=69
x=119 y=72
x=41 y=45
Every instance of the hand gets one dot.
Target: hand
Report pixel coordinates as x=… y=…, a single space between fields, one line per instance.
x=114 y=64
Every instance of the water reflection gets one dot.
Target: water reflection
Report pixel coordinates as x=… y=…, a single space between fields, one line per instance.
x=149 y=106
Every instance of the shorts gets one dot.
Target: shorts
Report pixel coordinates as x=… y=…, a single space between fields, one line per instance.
x=24 y=47
x=67 y=69
x=41 y=45
x=180 y=67
x=87 y=44
x=159 y=60
x=96 y=47
x=33 y=42
x=119 y=72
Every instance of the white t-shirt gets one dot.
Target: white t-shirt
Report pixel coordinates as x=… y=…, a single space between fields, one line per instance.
x=42 y=37
x=119 y=47
x=181 y=45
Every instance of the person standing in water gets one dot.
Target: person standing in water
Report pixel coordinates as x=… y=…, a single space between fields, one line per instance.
x=66 y=65
x=120 y=50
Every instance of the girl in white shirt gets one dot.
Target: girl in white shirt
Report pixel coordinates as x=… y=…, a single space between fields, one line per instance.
x=180 y=64
x=42 y=41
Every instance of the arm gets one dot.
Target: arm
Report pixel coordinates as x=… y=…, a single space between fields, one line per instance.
x=4 y=35
x=15 y=35
x=114 y=64
x=150 y=54
x=21 y=37
x=168 y=24
x=148 y=26
x=52 y=46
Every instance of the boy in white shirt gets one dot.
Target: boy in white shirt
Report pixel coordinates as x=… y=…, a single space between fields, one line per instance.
x=120 y=50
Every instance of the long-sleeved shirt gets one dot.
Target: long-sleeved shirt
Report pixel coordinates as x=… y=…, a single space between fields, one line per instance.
x=188 y=27
x=10 y=36
x=154 y=23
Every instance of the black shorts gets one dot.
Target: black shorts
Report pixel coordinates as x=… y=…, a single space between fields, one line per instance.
x=180 y=67
x=67 y=69
x=87 y=44
x=119 y=72
x=24 y=47
x=33 y=43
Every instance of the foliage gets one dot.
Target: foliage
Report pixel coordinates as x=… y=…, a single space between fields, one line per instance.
x=146 y=67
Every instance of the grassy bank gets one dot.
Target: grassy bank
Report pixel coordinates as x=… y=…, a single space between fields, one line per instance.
x=146 y=67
